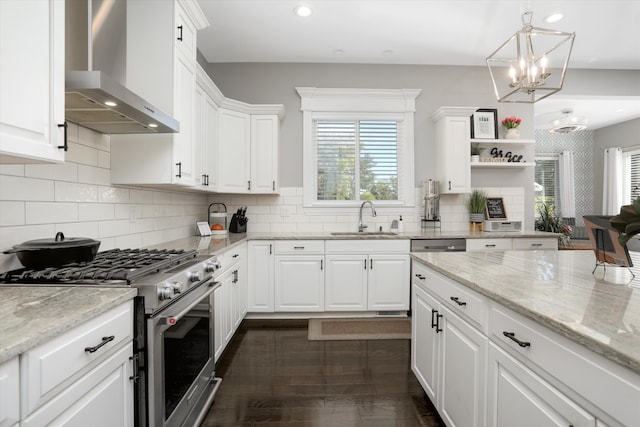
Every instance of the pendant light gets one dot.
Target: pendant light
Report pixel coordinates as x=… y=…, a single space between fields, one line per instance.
x=531 y=64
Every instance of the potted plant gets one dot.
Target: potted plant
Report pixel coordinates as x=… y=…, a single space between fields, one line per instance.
x=476 y=203
x=627 y=222
x=476 y=150
x=511 y=124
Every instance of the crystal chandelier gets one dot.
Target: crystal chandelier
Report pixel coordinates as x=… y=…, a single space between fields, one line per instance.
x=531 y=64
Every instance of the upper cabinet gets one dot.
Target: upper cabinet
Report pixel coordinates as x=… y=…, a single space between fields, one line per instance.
x=32 y=81
x=452 y=130
x=161 y=66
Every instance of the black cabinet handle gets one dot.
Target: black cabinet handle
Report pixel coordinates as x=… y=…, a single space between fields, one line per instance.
x=512 y=337
x=438 y=328
x=65 y=146
x=536 y=244
x=298 y=248
x=179 y=165
x=269 y=248
x=420 y=276
x=235 y=255
x=489 y=246
x=371 y=264
x=321 y=263
x=248 y=185
x=273 y=185
x=105 y=340
x=434 y=322
x=365 y=264
x=457 y=301
x=180 y=30
x=449 y=185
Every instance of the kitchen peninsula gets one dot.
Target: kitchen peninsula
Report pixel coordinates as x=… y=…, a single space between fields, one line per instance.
x=529 y=330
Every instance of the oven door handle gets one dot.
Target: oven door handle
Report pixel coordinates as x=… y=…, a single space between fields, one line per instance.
x=173 y=319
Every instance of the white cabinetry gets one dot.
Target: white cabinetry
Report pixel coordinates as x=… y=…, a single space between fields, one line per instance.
x=82 y=377
x=230 y=299
x=170 y=27
x=368 y=275
x=10 y=393
x=207 y=99
x=448 y=352
x=452 y=131
x=32 y=81
x=516 y=243
x=248 y=146
x=260 y=276
x=299 y=275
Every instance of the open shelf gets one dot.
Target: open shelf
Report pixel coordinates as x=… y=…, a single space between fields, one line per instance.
x=502 y=165
x=503 y=141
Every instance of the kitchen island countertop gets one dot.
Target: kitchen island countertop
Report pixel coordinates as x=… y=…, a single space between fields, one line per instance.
x=33 y=315
x=557 y=290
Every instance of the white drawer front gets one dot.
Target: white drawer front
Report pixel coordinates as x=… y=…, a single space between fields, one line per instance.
x=609 y=386
x=306 y=247
x=57 y=362
x=525 y=244
x=368 y=246
x=231 y=257
x=497 y=244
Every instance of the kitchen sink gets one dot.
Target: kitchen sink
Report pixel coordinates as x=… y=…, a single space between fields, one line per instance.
x=363 y=233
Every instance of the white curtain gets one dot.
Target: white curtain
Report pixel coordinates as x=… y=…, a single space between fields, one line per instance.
x=612 y=188
x=567 y=185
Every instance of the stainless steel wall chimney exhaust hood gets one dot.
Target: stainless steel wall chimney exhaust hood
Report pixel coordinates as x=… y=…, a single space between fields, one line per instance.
x=96 y=99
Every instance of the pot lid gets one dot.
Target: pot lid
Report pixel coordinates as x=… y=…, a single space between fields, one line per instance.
x=57 y=242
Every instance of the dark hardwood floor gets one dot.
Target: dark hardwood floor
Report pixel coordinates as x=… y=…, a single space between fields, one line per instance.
x=273 y=376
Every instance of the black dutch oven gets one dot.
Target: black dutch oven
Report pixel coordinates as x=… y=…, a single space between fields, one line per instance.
x=43 y=253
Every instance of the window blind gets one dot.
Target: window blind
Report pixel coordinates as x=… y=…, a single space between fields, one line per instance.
x=358 y=154
x=547 y=183
x=634 y=176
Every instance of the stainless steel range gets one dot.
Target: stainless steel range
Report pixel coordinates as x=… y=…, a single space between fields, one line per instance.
x=173 y=357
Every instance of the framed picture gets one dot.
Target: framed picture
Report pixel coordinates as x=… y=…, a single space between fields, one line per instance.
x=495 y=208
x=484 y=124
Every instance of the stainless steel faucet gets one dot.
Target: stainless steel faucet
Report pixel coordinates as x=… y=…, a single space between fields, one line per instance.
x=362 y=226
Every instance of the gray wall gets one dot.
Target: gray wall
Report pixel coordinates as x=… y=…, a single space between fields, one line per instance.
x=626 y=134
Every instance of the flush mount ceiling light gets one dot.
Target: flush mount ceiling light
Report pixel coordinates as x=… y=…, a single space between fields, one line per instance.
x=531 y=64
x=302 y=11
x=568 y=122
x=554 y=17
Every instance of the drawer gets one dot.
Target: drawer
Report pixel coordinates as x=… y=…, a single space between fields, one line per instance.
x=368 y=246
x=465 y=302
x=526 y=243
x=609 y=386
x=50 y=367
x=307 y=247
x=231 y=257
x=497 y=244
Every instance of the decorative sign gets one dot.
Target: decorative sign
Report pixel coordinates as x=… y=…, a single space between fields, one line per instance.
x=484 y=124
x=203 y=228
x=495 y=208
x=508 y=156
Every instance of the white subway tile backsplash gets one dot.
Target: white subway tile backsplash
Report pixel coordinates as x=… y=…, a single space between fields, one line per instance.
x=12 y=169
x=50 y=212
x=72 y=192
x=96 y=211
x=93 y=139
x=82 y=155
x=113 y=195
x=94 y=175
x=25 y=189
x=80 y=229
x=113 y=228
x=137 y=195
x=104 y=159
x=12 y=213
x=58 y=172
x=128 y=241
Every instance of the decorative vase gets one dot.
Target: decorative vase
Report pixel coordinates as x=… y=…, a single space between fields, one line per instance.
x=476 y=217
x=512 y=133
x=475 y=158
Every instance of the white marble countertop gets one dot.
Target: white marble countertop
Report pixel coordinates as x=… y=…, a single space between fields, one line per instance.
x=32 y=315
x=213 y=245
x=556 y=289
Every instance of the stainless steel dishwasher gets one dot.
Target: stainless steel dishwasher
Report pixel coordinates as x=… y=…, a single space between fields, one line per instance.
x=439 y=245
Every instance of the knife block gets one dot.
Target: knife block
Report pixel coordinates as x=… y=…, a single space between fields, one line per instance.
x=235 y=227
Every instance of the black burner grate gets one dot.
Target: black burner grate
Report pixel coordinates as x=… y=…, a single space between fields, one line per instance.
x=112 y=265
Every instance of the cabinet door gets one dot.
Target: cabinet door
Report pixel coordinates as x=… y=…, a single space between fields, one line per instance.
x=518 y=397
x=452 y=153
x=243 y=284
x=260 y=276
x=218 y=321
x=464 y=350
x=10 y=392
x=228 y=282
x=233 y=152
x=101 y=398
x=185 y=86
x=425 y=341
x=264 y=153
x=388 y=282
x=205 y=139
x=346 y=283
x=299 y=283
x=31 y=80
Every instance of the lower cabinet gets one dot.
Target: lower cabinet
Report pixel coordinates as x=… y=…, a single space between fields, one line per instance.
x=299 y=281
x=63 y=383
x=519 y=397
x=10 y=393
x=515 y=243
x=260 y=276
x=448 y=358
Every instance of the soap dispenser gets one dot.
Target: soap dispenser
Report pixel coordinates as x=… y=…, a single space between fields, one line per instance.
x=400 y=225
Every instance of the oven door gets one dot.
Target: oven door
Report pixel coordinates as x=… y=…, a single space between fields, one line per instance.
x=181 y=381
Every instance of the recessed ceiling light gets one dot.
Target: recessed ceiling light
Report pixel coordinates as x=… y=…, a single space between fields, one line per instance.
x=303 y=11
x=110 y=104
x=620 y=110
x=153 y=125
x=554 y=17
x=338 y=52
